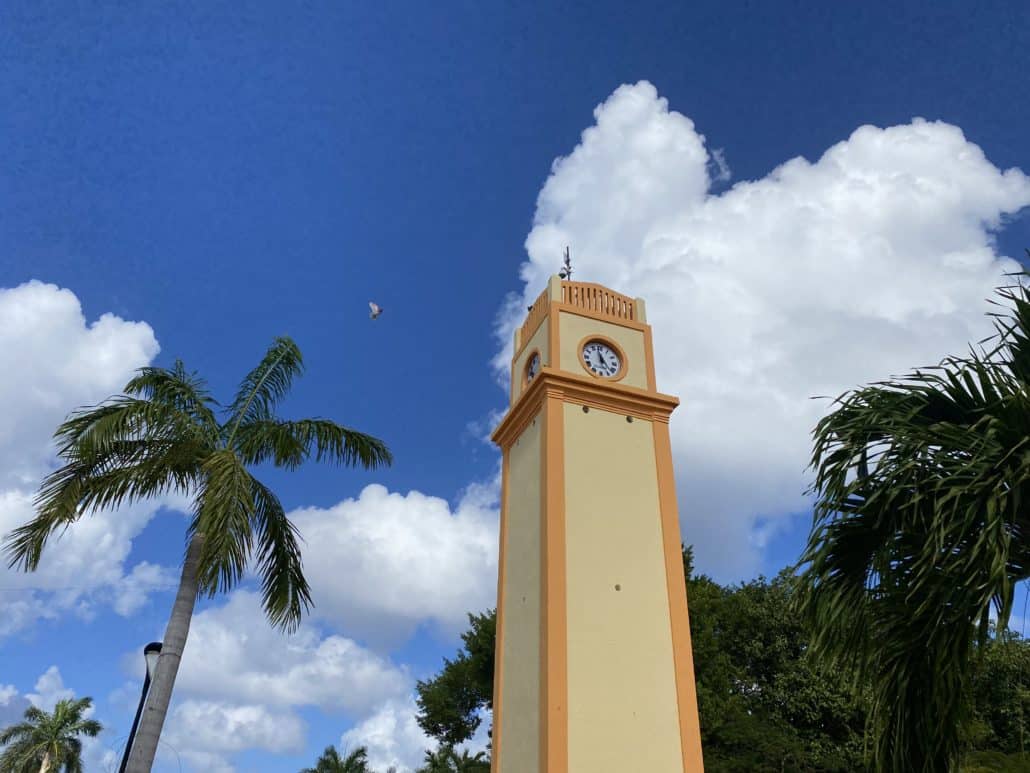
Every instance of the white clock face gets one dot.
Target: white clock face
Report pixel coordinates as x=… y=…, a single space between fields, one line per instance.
x=600 y=359
x=533 y=368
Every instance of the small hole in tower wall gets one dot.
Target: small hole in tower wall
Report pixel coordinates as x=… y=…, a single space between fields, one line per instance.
x=586 y=409
x=629 y=419
x=618 y=587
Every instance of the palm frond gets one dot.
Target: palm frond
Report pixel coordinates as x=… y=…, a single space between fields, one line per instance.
x=284 y=590
x=290 y=443
x=15 y=732
x=124 y=472
x=263 y=388
x=906 y=559
x=177 y=388
x=223 y=518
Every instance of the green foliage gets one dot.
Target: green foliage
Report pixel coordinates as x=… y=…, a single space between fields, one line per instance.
x=918 y=534
x=995 y=762
x=164 y=436
x=330 y=761
x=446 y=760
x=999 y=694
x=53 y=737
x=448 y=704
x=763 y=705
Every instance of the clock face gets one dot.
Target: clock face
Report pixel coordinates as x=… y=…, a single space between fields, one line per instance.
x=533 y=367
x=601 y=359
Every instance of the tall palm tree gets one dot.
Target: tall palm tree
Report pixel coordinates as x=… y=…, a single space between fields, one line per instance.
x=162 y=436
x=921 y=528
x=330 y=761
x=48 y=743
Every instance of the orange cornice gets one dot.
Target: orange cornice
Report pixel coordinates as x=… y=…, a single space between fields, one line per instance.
x=570 y=309
x=581 y=390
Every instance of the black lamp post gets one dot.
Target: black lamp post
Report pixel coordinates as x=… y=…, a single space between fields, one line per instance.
x=150 y=654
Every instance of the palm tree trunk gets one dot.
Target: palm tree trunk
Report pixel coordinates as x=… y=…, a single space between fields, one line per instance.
x=45 y=765
x=144 y=747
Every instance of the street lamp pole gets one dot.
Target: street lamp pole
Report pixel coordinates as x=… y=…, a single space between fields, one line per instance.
x=150 y=653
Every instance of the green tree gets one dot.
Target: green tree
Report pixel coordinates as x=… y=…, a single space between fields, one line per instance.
x=763 y=705
x=919 y=530
x=163 y=435
x=48 y=742
x=999 y=695
x=446 y=760
x=330 y=761
x=449 y=704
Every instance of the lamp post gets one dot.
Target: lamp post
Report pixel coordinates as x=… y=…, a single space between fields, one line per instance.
x=150 y=653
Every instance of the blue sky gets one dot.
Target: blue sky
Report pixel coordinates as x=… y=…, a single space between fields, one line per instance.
x=212 y=175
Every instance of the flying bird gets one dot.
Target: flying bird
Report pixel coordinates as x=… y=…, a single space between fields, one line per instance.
x=376 y=309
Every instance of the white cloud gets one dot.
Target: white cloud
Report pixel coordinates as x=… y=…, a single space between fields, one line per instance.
x=217 y=727
x=384 y=562
x=50 y=689
x=241 y=683
x=392 y=736
x=822 y=276
x=133 y=589
x=234 y=654
x=52 y=361
x=12 y=705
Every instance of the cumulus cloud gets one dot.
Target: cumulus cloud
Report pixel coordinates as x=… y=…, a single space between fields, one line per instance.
x=50 y=689
x=234 y=654
x=392 y=736
x=52 y=361
x=824 y=275
x=205 y=731
x=383 y=563
x=242 y=683
x=12 y=705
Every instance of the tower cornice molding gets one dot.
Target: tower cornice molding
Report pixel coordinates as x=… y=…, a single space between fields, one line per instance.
x=581 y=390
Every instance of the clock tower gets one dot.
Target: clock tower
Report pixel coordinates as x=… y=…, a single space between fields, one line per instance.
x=594 y=671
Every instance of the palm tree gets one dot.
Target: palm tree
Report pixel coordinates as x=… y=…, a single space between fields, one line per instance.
x=48 y=742
x=164 y=436
x=446 y=760
x=920 y=529
x=331 y=762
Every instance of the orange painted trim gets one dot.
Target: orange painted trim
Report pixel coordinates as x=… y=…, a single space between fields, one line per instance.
x=581 y=390
x=495 y=738
x=554 y=680
x=570 y=309
x=511 y=376
x=553 y=336
x=623 y=363
x=652 y=383
x=682 y=653
x=533 y=320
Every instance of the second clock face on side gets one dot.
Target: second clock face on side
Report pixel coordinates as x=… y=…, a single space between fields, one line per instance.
x=601 y=359
x=533 y=367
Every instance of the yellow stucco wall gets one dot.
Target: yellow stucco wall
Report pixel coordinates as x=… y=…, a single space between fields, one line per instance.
x=520 y=717
x=572 y=328
x=622 y=709
x=539 y=341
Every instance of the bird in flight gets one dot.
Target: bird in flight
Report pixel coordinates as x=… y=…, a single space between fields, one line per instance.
x=376 y=309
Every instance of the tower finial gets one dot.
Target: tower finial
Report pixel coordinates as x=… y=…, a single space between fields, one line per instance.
x=566 y=272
